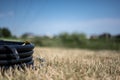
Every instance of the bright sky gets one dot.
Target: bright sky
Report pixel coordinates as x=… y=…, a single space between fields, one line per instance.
x=55 y=16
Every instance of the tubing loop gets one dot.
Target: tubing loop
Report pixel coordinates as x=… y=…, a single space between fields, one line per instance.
x=14 y=51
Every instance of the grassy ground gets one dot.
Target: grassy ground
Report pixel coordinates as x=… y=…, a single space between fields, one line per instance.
x=69 y=64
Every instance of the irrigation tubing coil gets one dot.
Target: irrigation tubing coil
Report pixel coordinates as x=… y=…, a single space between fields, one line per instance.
x=16 y=53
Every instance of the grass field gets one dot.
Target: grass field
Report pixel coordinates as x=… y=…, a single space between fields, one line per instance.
x=69 y=64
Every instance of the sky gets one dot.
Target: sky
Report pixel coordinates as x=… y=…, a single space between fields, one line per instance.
x=51 y=17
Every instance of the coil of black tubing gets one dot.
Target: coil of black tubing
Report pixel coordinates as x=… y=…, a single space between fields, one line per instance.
x=16 y=53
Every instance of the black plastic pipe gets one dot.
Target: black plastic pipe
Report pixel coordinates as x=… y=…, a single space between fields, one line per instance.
x=16 y=53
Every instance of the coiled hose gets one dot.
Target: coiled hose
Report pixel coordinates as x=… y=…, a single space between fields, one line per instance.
x=16 y=53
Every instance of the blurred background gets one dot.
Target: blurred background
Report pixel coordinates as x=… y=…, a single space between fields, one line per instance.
x=88 y=24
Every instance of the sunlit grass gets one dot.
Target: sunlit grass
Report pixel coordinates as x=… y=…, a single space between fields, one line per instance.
x=69 y=64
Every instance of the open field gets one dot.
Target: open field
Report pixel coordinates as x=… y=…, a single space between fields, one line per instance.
x=70 y=64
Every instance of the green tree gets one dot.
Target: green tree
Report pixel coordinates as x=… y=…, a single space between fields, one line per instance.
x=66 y=38
x=79 y=39
x=73 y=40
x=0 y=32
x=25 y=35
x=5 y=32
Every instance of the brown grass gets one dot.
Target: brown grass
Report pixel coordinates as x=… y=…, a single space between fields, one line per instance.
x=70 y=64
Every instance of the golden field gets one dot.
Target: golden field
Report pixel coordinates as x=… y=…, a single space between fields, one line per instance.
x=69 y=64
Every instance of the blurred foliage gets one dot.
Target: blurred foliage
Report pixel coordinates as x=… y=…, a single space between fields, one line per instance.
x=66 y=40
x=5 y=32
x=78 y=40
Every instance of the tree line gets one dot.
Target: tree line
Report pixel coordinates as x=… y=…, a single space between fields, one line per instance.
x=73 y=40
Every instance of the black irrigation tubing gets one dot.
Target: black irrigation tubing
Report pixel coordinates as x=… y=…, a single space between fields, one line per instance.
x=22 y=55
x=16 y=53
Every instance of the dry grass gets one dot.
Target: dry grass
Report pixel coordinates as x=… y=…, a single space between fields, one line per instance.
x=68 y=64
